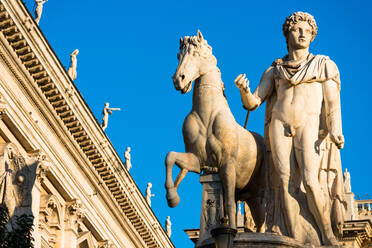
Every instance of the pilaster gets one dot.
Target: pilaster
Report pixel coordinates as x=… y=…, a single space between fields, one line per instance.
x=73 y=217
x=41 y=171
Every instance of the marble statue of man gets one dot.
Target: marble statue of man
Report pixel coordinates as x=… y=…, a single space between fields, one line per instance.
x=168 y=226
x=302 y=91
x=72 y=69
x=127 y=156
x=106 y=112
x=39 y=9
x=347 y=182
x=148 y=193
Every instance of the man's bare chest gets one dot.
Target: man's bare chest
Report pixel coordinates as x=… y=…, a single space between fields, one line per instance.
x=284 y=88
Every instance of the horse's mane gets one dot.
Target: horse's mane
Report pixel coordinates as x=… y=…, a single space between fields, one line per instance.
x=193 y=40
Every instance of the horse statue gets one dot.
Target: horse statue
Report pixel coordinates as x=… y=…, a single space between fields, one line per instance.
x=214 y=141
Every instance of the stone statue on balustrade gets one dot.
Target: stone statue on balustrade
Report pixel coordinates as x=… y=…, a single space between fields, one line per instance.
x=347 y=182
x=73 y=64
x=106 y=112
x=127 y=156
x=39 y=9
x=148 y=193
x=303 y=135
x=168 y=226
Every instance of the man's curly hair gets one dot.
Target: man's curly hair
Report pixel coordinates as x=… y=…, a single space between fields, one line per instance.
x=298 y=17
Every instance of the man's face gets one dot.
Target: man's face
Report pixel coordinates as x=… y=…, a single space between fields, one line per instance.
x=299 y=36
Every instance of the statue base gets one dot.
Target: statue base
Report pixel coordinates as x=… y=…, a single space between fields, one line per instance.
x=356 y=234
x=212 y=207
x=269 y=240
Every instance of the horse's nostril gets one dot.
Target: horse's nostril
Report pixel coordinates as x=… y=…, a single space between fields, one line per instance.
x=182 y=77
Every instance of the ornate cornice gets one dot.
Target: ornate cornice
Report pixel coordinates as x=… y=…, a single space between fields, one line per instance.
x=121 y=185
x=358 y=231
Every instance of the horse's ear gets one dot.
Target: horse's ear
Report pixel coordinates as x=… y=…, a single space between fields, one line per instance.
x=200 y=36
x=181 y=41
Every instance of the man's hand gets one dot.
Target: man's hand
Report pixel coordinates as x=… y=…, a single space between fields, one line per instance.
x=338 y=139
x=242 y=83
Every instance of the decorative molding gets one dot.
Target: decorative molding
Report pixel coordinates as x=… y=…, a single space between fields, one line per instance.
x=28 y=23
x=85 y=239
x=357 y=233
x=75 y=209
x=156 y=225
x=3 y=113
x=42 y=167
x=75 y=213
x=105 y=244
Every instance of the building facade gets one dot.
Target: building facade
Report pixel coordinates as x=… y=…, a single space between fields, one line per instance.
x=56 y=161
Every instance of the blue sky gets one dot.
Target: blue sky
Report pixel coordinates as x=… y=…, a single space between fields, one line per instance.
x=128 y=54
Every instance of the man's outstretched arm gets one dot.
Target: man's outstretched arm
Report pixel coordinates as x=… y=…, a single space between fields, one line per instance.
x=264 y=89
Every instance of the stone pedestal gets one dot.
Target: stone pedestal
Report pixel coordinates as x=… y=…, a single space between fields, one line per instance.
x=250 y=240
x=350 y=210
x=212 y=207
x=265 y=240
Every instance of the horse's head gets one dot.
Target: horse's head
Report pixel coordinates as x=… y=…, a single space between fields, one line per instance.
x=195 y=59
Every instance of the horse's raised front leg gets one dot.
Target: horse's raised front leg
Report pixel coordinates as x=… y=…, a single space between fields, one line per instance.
x=186 y=162
x=228 y=179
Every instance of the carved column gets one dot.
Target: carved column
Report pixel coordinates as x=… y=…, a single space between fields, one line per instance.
x=73 y=217
x=212 y=207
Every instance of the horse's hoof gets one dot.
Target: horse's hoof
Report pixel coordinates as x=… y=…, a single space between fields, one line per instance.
x=172 y=197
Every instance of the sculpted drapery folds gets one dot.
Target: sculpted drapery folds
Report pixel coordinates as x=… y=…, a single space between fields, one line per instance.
x=302 y=133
